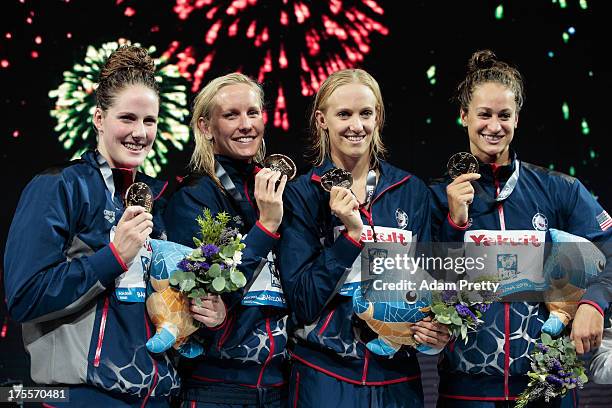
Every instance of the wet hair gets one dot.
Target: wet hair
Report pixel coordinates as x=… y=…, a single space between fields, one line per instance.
x=127 y=65
x=319 y=138
x=484 y=67
x=203 y=157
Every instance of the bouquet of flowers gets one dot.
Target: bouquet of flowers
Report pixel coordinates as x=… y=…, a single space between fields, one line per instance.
x=461 y=310
x=212 y=265
x=554 y=370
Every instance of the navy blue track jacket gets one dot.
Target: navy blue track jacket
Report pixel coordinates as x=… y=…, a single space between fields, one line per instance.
x=494 y=362
x=59 y=274
x=314 y=266
x=249 y=348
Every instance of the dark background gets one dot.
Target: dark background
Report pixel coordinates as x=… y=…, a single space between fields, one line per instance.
x=421 y=130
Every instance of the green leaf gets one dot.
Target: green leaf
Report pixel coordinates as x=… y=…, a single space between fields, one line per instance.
x=443 y=319
x=228 y=251
x=546 y=339
x=464 y=332
x=214 y=271
x=187 y=284
x=218 y=284
x=456 y=320
x=237 y=278
x=438 y=308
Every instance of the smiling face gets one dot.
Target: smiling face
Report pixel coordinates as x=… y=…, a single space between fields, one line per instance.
x=127 y=129
x=236 y=124
x=490 y=120
x=349 y=117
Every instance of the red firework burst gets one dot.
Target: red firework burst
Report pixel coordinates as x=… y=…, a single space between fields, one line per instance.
x=274 y=40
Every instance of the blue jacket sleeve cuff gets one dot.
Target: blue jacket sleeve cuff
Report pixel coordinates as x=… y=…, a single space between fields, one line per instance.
x=450 y=232
x=346 y=250
x=260 y=241
x=595 y=298
x=106 y=266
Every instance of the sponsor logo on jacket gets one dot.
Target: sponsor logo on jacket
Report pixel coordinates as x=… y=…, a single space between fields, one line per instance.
x=387 y=235
x=500 y=239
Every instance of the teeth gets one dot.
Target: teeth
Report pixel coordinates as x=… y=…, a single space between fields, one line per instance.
x=355 y=138
x=135 y=147
x=245 y=139
x=492 y=138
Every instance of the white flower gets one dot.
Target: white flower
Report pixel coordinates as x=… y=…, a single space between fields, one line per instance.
x=237 y=258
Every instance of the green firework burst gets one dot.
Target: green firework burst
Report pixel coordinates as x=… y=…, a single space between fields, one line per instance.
x=76 y=103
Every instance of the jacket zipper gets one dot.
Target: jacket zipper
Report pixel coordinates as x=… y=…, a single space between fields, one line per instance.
x=226 y=332
x=327 y=320
x=366 y=362
x=98 y=352
x=502 y=224
x=155 y=373
x=270 y=355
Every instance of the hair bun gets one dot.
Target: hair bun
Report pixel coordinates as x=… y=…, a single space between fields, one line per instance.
x=482 y=59
x=128 y=57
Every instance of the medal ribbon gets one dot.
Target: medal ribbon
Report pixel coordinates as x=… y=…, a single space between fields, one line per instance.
x=506 y=191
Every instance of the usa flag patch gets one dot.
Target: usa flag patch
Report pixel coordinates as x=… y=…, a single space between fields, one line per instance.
x=604 y=220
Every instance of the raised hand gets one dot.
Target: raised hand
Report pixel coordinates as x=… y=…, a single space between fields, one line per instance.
x=269 y=197
x=132 y=231
x=344 y=204
x=460 y=195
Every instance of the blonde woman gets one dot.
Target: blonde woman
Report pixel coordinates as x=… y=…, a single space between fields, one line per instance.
x=323 y=235
x=245 y=355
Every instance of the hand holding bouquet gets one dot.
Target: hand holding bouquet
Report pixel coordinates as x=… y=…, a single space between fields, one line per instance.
x=178 y=272
x=555 y=369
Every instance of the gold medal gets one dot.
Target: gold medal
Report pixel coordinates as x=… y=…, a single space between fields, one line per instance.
x=139 y=194
x=336 y=177
x=282 y=163
x=462 y=163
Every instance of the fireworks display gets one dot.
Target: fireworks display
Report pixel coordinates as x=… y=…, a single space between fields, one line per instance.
x=75 y=104
x=316 y=38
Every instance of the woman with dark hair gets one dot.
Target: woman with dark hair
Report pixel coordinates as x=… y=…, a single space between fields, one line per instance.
x=76 y=257
x=513 y=197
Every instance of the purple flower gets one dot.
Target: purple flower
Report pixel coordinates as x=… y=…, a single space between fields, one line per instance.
x=542 y=347
x=554 y=380
x=203 y=265
x=465 y=311
x=209 y=250
x=184 y=265
x=482 y=307
x=556 y=365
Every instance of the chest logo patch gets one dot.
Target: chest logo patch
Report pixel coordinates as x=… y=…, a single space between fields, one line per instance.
x=539 y=222
x=402 y=218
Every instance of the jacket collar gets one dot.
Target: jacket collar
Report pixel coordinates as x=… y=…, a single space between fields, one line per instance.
x=120 y=179
x=236 y=168
x=490 y=172
x=388 y=175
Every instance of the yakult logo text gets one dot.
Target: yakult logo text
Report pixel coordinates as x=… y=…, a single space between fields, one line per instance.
x=499 y=239
x=398 y=236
